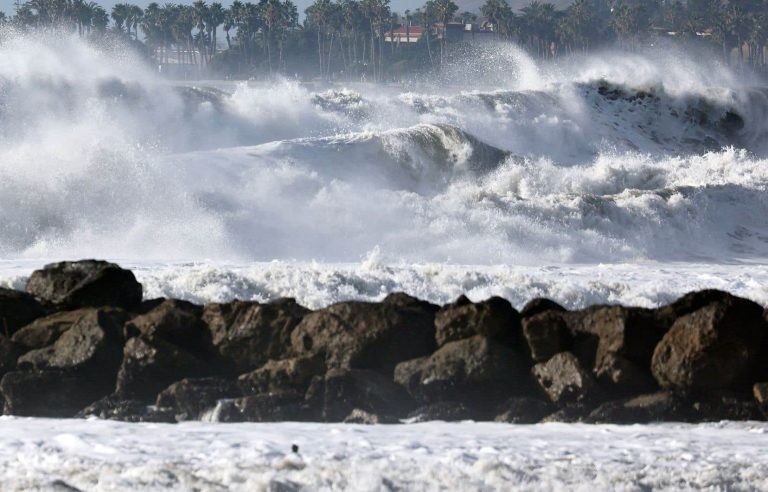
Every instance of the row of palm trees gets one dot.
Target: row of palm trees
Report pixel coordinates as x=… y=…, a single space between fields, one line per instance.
x=348 y=37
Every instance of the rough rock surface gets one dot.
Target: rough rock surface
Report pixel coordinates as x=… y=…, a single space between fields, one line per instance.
x=9 y=353
x=86 y=283
x=546 y=334
x=248 y=334
x=111 y=408
x=363 y=335
x=266 y=407
x=282 y=375
x=711 y=348
x=177 y=322
x=447 y=411
x=45 y=331
x=477 y=371
x=564 y=381
x=523 y=410
x=190 y=398
x=16 y=310
x=54 y=393
x=540 y=305
x=494 y=318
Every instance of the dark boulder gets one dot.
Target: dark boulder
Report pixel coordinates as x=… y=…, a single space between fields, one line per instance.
x=16 y=310
x=266 y=407
x=690 y=302
x=546 y=334
x=540 y=305
x=92 y=346
x=190 y=398
x=523 y=410
x=176 y=322
x=446 y=411
x=341 y=391
x=149 y=366
x=248 y=334
x=43 y=332
x=565 y=382
x=282 y=375
x=494 y=318
x=713 y=347
x=53 y=393
x=363 y=335
x=477 y=371
x=667 y=406
x=403 y=300
x=111 y=408
x=86 y=283
x=9 y=353
x=569 y=414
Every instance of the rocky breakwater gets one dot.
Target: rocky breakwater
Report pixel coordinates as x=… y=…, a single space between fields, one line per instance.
x=81 y=341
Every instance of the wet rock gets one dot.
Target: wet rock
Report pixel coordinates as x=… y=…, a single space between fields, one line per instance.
x=523 y=410
x=9 y=353
x=266 y=407
x=713 y=347
x=190 y=398
x=494 y=318
x=16 y=310
x=565 y=382
x=149 y=366
x=540 y=305
x=403 y=300
x=111 y=408
x=43 y=332
x=282 y=375
x=446 y=411
x=546 y=334
x=364 y=335
x=86 y=283
x=248 y=334
x=341 y=391
x=92 y=345
x=53 y=393
x=624 y=377
x=616 y=332
x=477 y=371
x=569 y=414
x=358 y=416
x=667 y=406
x=176 y=322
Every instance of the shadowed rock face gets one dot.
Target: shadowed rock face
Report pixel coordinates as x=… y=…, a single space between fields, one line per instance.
x=86 y=283
x=703 y=357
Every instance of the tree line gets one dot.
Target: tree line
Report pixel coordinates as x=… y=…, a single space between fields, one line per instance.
x=348 y=38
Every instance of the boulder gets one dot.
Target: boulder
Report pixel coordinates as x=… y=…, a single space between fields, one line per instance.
x=92 y=346
x=149 y=366
x=248 y=334
x=403 y=300
x=523 y=410
x=546 y=334
x=177 y=322
x=266 y=407
x=86 y=283
x=190 y=398
x=44 y=332
x=53 y=393
x=667 y=406
x=341 y=391
x=605 y=335
x=111 y=408
x=711 y=348
x=494 y=318
x=540 y=305
x=446 y=411
x=16 y=310
x=690 y=302
x=282 y=375
x=569 y=414
x=565 y=382
x=477 y=371
x=361 y=335
x=9 y=353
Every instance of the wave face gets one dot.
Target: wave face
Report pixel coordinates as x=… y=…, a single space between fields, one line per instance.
x=614 y=158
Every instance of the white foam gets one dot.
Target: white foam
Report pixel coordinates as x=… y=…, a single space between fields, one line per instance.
x=102 y=455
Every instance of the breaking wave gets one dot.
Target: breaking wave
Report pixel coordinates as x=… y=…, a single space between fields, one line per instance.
x=580 y=162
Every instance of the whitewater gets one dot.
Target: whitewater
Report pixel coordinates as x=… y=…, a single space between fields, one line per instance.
x=612 y=178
